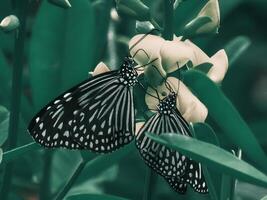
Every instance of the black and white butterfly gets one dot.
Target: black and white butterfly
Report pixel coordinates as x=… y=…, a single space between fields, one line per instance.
x=97 y=114
x=177 y=169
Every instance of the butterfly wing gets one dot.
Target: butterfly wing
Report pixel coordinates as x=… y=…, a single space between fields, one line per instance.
x=178 y=186
x=64 y=122
x=194 y=177
x=167 y=162
x=110 y=121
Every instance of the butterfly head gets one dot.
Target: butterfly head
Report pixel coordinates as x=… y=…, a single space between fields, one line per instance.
x=128 y=72
x=167 y=104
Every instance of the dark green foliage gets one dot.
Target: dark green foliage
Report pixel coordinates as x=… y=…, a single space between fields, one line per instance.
x=63 y=45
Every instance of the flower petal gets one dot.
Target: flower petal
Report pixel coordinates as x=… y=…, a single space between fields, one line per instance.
x=100 y=68
x=191 y=108
x=220 y=66
x=211 y=10
x=145 y=48
x=199 y=55
x=175 y=54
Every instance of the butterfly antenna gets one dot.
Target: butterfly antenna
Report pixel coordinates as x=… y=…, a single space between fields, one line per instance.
x=143 y=87
x=138 y=51
x=147 y=63
x=168 y=86
x=143 y=37
x=179 y=77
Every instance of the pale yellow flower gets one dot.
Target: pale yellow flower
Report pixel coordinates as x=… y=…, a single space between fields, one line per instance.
x=171 y=55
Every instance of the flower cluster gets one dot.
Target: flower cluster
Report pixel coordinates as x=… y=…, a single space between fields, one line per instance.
x=172 y=55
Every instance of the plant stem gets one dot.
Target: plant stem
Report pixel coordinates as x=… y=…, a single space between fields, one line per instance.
x=155 y=24
x=22 y=6
x=234 y=181
x=71 y=181
x=8 y=156
x=149 y=184
x=168 y=20
x=45 y=184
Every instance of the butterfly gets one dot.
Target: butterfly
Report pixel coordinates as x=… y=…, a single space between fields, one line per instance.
x=97 y=114
x=177 y=169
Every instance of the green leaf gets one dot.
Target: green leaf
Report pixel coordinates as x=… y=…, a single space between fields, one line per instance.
x=191 y=28
x=101 y=9
x=134 y=8
x=236 y=47
x=212 y=156
x=4 y=123
x=61 y=48
x=204 y=67
x=225 y=115
x=61 y=3
x=78 y=43
x=264 y=198
x=185 y=13
x=94 y=197
x=46 y=48
x=19 y=151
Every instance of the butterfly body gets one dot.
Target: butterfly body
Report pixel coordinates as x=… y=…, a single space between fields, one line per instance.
x=167 y=104
x=128 y=73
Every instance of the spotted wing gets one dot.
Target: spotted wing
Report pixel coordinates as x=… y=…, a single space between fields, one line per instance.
x=110 y=123
x=195 y=177
x=167 y=162
x=177 y=185
x=64 y=122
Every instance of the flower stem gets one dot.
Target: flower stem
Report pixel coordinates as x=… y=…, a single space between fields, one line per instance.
x=168 y=19
x=71 y=181
x=45 y=184
x=149 y=184
x=22 y=6
x=155 y=24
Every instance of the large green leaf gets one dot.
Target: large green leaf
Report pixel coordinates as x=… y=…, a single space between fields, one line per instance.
x=46 y=48
x=94 y=197
x=226 y=116
x=102 y=11
x=4 y=122
x=78 y=43
x=212 y=156
x=61 y=49
x=236 y=47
